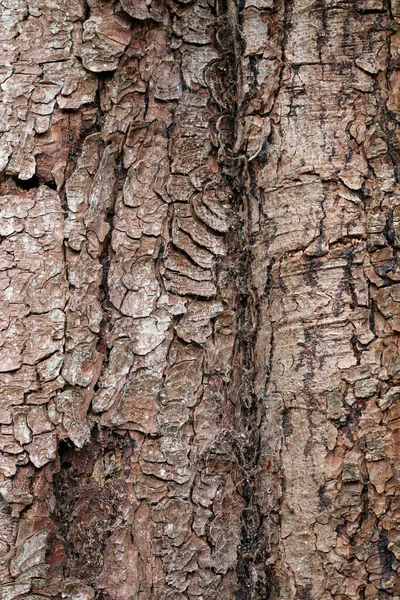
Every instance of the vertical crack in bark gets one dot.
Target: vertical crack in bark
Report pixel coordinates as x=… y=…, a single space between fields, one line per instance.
x=254 y=576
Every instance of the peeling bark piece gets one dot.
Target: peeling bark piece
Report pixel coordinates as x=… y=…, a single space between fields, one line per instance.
x=379 y=473
x=79 y=88
x=198 y=232
x=71 y=404
x=46 y=289
x=177 y=514
x=11 y=394
x=365 y=388
x=73 y=589
x=42 y=449
x=8 y=465
x=184 y=376
x=193 y=23
x=176 y=261
x=9 y=445
x=50 y=368
x=394 y=99
x=37 y=420
x=137 y=406
x=79 y=367
x=184 y=242
x=182 y=285
x=31 y=553
x=147 y=220
x=13 y=211
x=182 y=277
x=139 y=9
x=11 y=347
x=13 y=590
x=149 y=332
x=168 y=85
x=391 y=396
x=105 y=36
x=100 y=196
x=195 y=325
x=45 y=335
x=210 y=210
x=150 y=488
x=178 y=473
x=22 y=432
x=120 y=362
x=143 y=289
x=255 y=32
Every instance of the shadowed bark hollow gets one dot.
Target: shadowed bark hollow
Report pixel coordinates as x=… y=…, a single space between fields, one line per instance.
x=200 y=299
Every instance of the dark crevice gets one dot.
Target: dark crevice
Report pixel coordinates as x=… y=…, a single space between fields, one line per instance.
x=12 y=184
x=88 y=489
x=255 y=577
x=105 y=261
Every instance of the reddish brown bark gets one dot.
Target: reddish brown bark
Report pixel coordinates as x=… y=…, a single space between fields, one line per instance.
x=199 y=373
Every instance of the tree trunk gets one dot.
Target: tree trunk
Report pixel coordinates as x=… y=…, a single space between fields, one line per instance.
x=200 y=307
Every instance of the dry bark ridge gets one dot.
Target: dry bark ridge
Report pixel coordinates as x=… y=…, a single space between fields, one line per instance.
x=199 y=372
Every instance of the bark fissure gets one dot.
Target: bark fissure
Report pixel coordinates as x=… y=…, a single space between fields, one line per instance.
x=199 y=375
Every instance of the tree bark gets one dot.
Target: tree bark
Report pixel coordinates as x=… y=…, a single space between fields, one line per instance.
x=200 y=307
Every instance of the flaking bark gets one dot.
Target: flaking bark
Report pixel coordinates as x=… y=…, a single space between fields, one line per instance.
x=199 y=373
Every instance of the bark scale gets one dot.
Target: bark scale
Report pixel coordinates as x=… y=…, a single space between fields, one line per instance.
x=199 y=373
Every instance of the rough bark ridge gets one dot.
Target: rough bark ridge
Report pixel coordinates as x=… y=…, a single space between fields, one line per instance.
x=117 y=335
x=325 y=238
x=199 y=372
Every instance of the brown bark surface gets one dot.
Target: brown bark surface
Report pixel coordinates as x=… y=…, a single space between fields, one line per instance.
x=200 y=299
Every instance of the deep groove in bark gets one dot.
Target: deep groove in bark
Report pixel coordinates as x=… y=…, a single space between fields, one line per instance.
x=88 y=489
x=254 y=577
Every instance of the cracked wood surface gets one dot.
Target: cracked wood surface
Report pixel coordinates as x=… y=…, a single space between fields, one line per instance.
x=199 y=363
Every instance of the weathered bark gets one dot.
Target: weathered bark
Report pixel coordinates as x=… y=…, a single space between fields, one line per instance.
x=199 y=372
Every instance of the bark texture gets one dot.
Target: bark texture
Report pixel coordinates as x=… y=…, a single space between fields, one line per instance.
x=200 y=299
